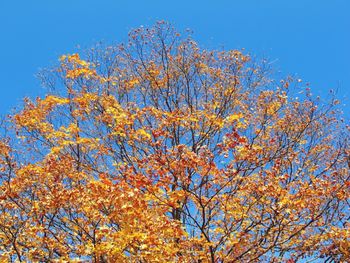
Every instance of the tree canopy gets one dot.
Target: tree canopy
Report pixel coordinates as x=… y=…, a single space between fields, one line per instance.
x=158 y=150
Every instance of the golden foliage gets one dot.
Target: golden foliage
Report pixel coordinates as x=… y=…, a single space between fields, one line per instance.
x=158 y=151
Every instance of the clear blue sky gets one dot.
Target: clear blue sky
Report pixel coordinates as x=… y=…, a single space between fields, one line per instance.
x=310 y=38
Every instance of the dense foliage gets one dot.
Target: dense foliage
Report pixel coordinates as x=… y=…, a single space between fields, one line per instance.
x=159 y=151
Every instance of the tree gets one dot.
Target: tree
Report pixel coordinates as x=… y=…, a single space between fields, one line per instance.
x=160 y=151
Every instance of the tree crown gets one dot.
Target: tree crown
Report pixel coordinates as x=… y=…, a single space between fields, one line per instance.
x=159 y=151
